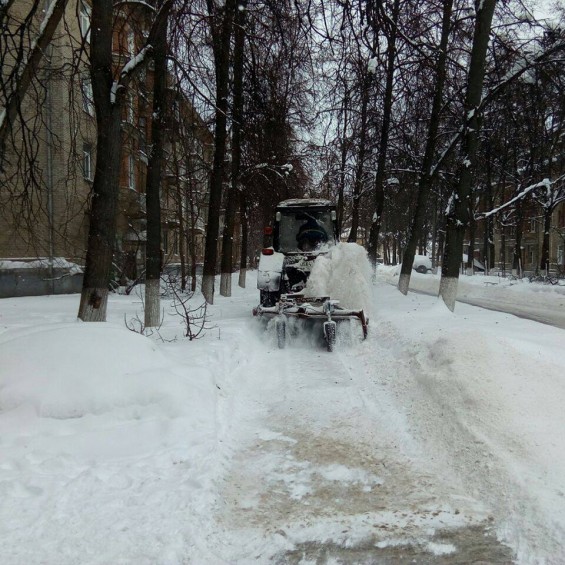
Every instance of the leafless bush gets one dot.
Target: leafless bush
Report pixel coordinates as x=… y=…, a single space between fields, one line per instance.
x=194 y=319
x=137 y=325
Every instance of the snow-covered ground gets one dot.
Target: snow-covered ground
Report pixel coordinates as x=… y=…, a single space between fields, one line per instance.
x=439 y=438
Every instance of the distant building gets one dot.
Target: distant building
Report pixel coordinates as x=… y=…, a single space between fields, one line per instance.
x=532 y=232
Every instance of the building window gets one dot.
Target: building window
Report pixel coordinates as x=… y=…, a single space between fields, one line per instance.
x=165 y=242
x=175 y=243
x=142 y=124
x=561 y=218
x=533 y=225
x=84 y=17
x=530 y=254
x=87 y=161
x=87 y=96
x=130 y=108
x=131 y=43
x=131 y=172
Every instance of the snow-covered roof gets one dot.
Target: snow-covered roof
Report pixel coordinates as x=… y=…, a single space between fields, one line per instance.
x=304 y=202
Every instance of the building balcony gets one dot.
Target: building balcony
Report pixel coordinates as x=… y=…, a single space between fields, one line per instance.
x=133 y=203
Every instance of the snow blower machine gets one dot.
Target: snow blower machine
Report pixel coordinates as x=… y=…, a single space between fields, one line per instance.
x=303 y=230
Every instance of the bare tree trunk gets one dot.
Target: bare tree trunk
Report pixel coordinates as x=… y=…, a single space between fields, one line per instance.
x=227 y=240
x=517 y=256
x=180 y=195
x=108 y=98
x=153 y=261
x=94 y=296
x=426 y=178
x=192 y=238
x=182 y=249
x=440 y=240
x=544 y=260
x=343 y=163
x=360 y=169
x=458 y=214
x=503 y=250
x=383 y=142
x=221 y=25
x=488 y=245
x=244 y=239
x=434 y=235
x=472 y=231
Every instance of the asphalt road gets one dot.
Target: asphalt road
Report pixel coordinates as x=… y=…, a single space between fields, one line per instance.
x=554 y=317
x=519 y=304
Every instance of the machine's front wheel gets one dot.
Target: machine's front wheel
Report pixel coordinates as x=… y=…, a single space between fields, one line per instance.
x=280 y=327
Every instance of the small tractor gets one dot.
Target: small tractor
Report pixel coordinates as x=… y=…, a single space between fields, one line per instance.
x=303 y=230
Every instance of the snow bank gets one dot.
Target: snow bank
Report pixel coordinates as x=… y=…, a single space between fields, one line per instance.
x=99 y=369
x=344 y=274
x=486 y=390
x=108 y=443
x=534 y=301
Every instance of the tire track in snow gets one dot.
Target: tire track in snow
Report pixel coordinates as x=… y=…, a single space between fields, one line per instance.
x=323 y=468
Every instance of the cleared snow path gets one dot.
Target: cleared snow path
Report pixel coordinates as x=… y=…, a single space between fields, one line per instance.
x=324 y=464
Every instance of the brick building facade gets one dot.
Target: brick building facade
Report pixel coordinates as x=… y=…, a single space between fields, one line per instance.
x=44 y=201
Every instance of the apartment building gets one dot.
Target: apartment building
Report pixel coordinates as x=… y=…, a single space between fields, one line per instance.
x=530 y=230
x=50 y=158
x=531 y=243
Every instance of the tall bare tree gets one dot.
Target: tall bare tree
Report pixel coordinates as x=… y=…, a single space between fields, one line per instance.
x=153 y=259
x=237 y=118
x=458 y=211
x=360 y=167
x=221 y=26
x=425 y=175
x=378 y=189
x=109 y=89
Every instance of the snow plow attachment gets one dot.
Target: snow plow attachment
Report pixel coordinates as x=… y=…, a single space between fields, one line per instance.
x=305 y=307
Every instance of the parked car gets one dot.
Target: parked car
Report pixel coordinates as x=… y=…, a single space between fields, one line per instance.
x=422 y=264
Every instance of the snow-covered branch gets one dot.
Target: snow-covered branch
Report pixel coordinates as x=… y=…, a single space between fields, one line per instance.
x=544 y=183
x=140 y=60
x=135 y=62
x=30 y=64
x=518 y=70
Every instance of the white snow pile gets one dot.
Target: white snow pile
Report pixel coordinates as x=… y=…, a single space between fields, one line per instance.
x=107 y=443
x=343 y=274
x=117 y=368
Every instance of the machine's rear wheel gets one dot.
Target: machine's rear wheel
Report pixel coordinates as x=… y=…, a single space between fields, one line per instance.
x=330 y=335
